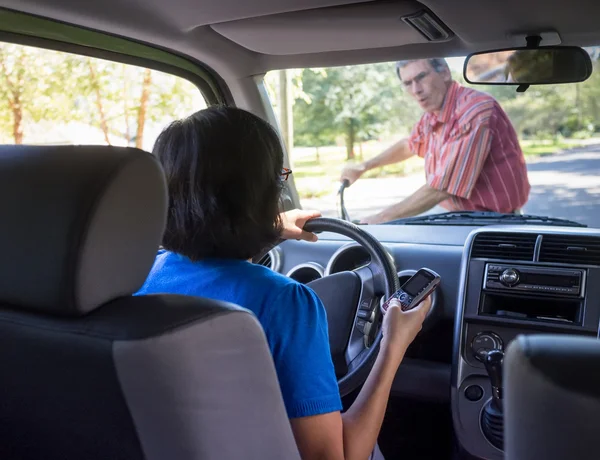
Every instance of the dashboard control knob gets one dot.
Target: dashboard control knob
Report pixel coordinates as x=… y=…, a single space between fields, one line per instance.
x=484 y=342
x=509 y=277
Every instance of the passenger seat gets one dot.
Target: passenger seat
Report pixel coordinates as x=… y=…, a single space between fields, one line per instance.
x=552 y=398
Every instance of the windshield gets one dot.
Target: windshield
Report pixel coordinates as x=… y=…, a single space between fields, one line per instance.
x=412 y=139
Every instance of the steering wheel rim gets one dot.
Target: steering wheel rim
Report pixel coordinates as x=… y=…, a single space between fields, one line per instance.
x=385 y=283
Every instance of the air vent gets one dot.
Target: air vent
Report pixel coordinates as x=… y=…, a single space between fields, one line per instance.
x=428 y=25
x=567 y=249
x=504 y=246
x=266 y=260
x=305 y=273
x=272 y=259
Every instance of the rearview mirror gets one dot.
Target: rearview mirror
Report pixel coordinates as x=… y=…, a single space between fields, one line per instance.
x=529 y=66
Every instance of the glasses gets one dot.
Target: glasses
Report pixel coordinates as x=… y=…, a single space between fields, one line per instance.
x=285 y=173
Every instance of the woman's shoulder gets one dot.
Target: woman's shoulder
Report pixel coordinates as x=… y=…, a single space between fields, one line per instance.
x=280 y=285
x=270 y=277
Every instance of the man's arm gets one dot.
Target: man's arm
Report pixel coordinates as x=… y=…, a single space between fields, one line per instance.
x=394 y=154
x=422 y=200
x=462 y=158
x=353 y=435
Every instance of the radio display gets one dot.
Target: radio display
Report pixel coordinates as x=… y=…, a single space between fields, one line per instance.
x=545 y=279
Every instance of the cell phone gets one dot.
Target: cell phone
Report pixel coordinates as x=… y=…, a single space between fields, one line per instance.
x=417 y=288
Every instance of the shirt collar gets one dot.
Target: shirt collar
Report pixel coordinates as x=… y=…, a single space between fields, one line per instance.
x=447 y=106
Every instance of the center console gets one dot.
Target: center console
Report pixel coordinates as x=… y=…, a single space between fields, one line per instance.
x=515 y=280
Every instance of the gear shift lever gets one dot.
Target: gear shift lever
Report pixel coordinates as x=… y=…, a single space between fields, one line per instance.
x=493 y=366
x=492 y=417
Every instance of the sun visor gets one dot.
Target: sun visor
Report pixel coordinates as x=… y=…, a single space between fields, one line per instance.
x=349 y=27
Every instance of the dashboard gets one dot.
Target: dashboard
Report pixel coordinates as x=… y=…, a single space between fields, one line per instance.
x=497 y=282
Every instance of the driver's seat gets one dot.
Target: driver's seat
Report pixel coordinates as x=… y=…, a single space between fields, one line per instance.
x=90 y=372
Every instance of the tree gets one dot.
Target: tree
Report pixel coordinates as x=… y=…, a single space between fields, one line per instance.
x=356 y=96
x=142 y=108
x=313 y=120
x=123 y=107
x=39 y=85
x=33 y=87
x=14 y=87
x=359 y=102
x=97 y=89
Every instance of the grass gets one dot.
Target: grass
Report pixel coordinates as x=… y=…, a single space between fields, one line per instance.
x=537 y=148
x=318 y=176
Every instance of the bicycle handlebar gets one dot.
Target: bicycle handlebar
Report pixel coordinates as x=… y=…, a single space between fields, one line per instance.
x=343 y=212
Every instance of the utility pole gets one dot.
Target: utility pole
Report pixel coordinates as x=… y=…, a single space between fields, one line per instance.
x=290 y=198
x=285 y=111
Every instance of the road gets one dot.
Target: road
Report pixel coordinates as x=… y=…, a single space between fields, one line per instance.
x=563 y=185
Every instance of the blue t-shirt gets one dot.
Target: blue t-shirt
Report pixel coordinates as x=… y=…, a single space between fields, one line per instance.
x=290 y=313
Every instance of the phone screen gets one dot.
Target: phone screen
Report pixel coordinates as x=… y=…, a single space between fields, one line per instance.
x=414 y=285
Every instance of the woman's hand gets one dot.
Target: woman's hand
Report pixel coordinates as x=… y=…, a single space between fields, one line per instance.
x=293 y=221
x=401 y=327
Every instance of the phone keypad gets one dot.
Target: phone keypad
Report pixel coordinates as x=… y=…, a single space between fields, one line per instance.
x=404 y=299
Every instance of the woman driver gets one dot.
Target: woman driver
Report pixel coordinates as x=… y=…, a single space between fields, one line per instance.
x=224 y=172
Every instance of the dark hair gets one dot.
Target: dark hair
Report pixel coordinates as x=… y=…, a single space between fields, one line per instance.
x=223 y=167
x=438 y=64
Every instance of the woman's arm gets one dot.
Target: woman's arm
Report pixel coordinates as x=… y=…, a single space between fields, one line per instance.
x=353 y=435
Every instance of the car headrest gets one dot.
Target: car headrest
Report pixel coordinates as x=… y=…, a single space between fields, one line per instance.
x=80 y=225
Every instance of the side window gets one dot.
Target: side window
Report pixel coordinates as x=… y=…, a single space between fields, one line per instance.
x=53 y=97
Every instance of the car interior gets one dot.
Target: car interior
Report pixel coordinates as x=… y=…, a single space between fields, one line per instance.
x=93 y=372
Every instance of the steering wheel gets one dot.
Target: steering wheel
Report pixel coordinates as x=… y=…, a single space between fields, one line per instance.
x=352 y=300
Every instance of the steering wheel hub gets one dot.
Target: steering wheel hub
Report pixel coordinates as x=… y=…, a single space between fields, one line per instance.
x=351 y=299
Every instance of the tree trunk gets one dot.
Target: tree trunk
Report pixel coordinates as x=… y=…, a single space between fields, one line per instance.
x=141 y=118
x=17 y=119
x=350 y=139
x=14 y=102
x=126 y=106
x=96 y=87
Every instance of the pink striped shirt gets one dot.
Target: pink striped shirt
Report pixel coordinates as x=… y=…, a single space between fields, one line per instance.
x=471 y=151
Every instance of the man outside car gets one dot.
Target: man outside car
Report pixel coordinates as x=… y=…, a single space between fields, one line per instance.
x=473 y=160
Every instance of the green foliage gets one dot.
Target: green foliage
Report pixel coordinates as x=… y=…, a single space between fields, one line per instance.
x=314 y=124
x=54 y=88
x=365 y=102
x=357 y=102
x=28 y=90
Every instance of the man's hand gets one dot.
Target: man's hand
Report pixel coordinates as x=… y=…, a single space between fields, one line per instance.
x=293 y=221
x=351 y=173
x=372 y=220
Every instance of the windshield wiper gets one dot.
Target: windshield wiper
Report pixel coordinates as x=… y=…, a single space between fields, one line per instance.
x=484 y=218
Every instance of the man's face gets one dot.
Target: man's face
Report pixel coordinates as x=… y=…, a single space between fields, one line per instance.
x=427 y=86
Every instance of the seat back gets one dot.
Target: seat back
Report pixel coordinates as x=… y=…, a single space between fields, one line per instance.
x=90 y=371
x=552 y=398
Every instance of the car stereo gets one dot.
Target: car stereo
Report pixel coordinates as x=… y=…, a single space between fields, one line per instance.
x=541 y=280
